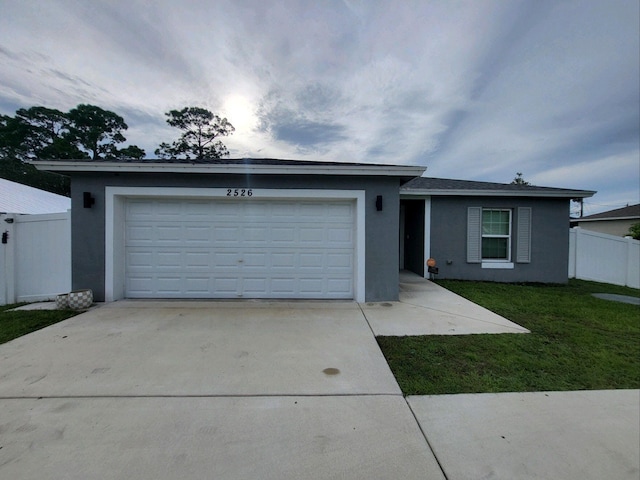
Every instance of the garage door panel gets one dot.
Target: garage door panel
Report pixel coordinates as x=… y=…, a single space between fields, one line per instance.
x=228 y=210
x=168 y=235
x=255 y=259
x=255 y=235
x=314 y=260
x=140 y=285
x=179 y=248
x=310 y=286
x=340 y=261
x=197 y=260
x=198 y=234
x=140 y=259
x=283 y=260
x=282 y=235
x=139 y=234
x=283 y=286
x=169 y=260
x=312 y=235
x=169 y=284
x=336 y=285
x=225 y=287
x=340 y=210
x=197 y=286
x=226 y=234
x=255 y=286
x=340 y=236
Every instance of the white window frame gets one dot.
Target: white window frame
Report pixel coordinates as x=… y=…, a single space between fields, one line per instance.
x=498 y=263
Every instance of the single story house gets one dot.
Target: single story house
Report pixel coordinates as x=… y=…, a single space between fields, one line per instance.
x=262 y=228
x=486 y=231
x=244 y=228
x=613 y=222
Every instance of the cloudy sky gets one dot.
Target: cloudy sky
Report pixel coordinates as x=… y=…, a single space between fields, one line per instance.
x=475 y=90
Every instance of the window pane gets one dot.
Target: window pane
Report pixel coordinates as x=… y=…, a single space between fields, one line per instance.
x=495 y=222
x=494 y=248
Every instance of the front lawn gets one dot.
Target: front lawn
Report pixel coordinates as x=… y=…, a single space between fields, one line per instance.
x=16 y=324
x=577 y=342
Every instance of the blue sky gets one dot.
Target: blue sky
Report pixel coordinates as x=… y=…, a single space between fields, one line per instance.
x=475 y=90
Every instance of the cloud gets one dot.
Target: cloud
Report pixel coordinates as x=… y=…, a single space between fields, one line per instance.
x=475 y=90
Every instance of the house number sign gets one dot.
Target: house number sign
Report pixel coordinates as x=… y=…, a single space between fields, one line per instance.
x=239 y=192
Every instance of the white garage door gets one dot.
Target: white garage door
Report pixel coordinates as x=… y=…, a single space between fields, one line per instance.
x=188 y=248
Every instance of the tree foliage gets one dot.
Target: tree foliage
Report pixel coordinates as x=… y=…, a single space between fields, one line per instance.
x=96 y=130
x=634 y=231
x=39 y=132
x=518 y=180
x=200 y=130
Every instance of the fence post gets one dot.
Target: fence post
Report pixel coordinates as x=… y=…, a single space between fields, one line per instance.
x=577 y=263
x=572 y=253
x=8 y=280
x=631 y=260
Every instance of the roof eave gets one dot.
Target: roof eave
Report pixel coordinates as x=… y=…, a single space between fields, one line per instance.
x=607 y=219
x=149 y=167
x=496 y=193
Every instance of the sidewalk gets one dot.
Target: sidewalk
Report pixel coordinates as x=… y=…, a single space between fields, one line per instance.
x=584 y=435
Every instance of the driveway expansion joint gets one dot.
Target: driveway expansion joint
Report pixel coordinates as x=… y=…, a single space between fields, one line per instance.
x=424 y=434
x=269 y=395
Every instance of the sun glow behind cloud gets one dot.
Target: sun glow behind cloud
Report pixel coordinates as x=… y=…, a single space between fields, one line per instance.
x=240 y=112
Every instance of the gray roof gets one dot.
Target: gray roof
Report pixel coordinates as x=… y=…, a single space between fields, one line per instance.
x=624 y=213
x=211 y=161
x=230 y=166
x=447 y=186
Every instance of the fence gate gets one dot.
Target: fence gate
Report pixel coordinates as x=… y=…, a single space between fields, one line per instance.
x=35 y=256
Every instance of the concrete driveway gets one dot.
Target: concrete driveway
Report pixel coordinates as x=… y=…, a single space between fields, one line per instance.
x=219 y=390
x=277 y=390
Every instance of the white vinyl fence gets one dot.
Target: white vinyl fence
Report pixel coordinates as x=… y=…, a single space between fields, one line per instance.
x=604 y=258
x=35 y=261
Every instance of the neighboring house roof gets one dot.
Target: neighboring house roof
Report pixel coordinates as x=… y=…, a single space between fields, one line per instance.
x=18 y=198
x=243 y=166
x=630 y=212
x=445 y=186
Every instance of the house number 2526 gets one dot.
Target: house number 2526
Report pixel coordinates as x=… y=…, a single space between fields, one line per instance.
x=239 y=192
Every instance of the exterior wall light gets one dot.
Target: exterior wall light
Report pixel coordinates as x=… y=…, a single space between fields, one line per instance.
x=87 y=200
x=379 y=203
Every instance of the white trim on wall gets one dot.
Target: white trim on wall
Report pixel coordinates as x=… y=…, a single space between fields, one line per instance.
x=115 y=198
x=498 y=265
x=427 y=233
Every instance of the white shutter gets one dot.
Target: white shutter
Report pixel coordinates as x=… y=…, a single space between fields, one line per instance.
x=474 y=235
x=523 y=235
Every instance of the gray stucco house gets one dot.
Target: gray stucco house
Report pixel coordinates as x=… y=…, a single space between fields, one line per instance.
x=486 y=231
x=248 y=228
x=261 y=228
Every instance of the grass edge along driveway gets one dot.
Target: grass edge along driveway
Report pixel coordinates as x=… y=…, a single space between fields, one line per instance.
x=577 y=342
x=18 y=323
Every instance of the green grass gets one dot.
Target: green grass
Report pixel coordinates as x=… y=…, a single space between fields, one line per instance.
x=577 y=342
x=16 y=324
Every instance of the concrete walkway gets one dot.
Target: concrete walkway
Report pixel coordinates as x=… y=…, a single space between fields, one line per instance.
x=547 y=435
x=426 y=308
